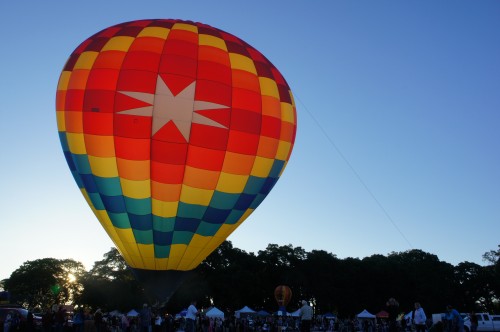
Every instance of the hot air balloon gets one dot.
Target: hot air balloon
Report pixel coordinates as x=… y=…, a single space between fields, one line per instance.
x=175 y=132
x=283 y=295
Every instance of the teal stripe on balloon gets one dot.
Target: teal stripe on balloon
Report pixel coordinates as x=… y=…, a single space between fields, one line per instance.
x=143 y=237
x=180 y=237
x=119 y=220
x=96 y=200
x=207 y=229
x=223 y=201
x=234 y=216
x=195 y=211
x=162 y=251
x=78 y=179
x=254 y=185
x=64 y=140
x=139 y=206
x=108 y=186
x=82 y=163
x=276 y=169
x=163 y=224
x=256 y=202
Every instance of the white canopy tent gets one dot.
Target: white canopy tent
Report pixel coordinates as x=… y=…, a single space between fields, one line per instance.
x=245 y=311
x=365 y=315
x=214 y=312
x=132 y=313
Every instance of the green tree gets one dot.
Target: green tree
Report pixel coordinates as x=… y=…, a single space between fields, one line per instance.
x=47 y=281
x=111 y=285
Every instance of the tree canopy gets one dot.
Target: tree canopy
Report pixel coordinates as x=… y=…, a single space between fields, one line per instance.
x=231 y=278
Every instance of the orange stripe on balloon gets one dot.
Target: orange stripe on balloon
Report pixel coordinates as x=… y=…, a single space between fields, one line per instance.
x=165 y=192
x=201 y=178
x=134 y=169
x=100 y=146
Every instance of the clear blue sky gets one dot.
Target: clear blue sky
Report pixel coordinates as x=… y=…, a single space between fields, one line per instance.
x=398 y=141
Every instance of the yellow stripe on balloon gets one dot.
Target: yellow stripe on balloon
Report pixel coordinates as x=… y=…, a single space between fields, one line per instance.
x=213 y=41
x=103 y=167
x=158 y=32
x=147 y=252
x=283 y=150
x=119 y=43
x=231 y=183
x=161 y=263
x=76 y=143
x=268 y=87
x=197 y=196
x=176 y=254
x=61 y=125
x=136 y=189
x=261 y=167
x=86 y=60
x=184 y=26
x=63 y=80
x=164 y=209
x=242 y=62
x=287 y=113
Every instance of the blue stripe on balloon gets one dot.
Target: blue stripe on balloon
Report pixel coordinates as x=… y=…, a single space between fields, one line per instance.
x=256 y=202
x=69 y=159
x=268 y=185
x=162 y=238
x=89 y=183
x=114 y=204
x=216 y=216
x=186 y=224
x=141 y=222
x=244 y=201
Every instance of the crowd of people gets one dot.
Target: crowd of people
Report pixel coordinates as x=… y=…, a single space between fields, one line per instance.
x=154 y=320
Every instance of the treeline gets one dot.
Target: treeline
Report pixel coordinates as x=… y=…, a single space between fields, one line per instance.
x=231 y=278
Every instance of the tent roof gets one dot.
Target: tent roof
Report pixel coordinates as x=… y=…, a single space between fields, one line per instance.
x=132 y=313
x=263 y=313
x=382 y=314
x=365 y=314
x=244 y=310
x=214 y=312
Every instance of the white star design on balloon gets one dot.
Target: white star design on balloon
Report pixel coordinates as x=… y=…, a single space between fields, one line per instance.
x=180 y=109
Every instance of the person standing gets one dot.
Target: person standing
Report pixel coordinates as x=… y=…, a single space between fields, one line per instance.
x=392 y=307
x=473 y=321
x=419 y=318
x=455 y=320
x=191 y=317
x=306 y=315
x=145 y=318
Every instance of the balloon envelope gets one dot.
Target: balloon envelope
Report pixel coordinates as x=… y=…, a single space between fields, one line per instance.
x=283 y=295
x=175 y=132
